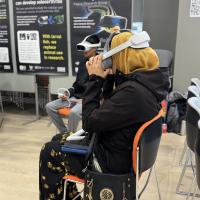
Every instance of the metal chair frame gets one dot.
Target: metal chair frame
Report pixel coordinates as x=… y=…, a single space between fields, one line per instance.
x=189 y=153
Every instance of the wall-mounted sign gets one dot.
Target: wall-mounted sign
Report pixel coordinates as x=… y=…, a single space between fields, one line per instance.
x=195 y=8
x=5 y=46
x=41 y=36
x=99 y=17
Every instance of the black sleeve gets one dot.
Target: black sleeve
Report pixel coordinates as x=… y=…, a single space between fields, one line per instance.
x=108 y=86
x=117 y=112
x=71 y=90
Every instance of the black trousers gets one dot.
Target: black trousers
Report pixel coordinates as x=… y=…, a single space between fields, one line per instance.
x=53 y=165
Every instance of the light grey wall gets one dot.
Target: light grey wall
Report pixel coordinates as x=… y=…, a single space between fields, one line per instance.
x=160 y=21
x=187 y=61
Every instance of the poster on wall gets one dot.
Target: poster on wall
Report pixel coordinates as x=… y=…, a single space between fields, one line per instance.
x=41 y=36
x=195 y=8
x=100 y=17
x=5 y=46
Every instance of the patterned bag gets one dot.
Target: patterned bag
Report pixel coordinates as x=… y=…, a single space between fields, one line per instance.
x=100 y=186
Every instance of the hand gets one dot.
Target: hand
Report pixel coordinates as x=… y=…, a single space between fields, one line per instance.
x=94 y=66
x=63 y=98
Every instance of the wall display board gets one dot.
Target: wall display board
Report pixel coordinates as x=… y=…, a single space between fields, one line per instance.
x=41 y=36
x=5 y=46
x=99 y=17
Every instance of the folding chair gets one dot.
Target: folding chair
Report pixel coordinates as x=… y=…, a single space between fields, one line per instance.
x=193 y=91
x=197 y=161
x=192 y=118
x=145 y=148
x=165 y=59
x=64 y=112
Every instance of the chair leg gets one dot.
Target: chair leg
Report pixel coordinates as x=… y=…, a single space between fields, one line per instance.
x=158 y=188
x=183 y=153
x=182 y=173
x=137 y=176
x=194 y=193
x=65 y=189
x=190 y=189
x=78 y=194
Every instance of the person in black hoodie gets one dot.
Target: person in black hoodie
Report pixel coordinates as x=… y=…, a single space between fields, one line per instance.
x=133 y=96
x=139 y=88
x=76 y=91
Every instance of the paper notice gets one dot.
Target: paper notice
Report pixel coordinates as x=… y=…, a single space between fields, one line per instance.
x=195 y=8
x=4 y=55
x=29 y=47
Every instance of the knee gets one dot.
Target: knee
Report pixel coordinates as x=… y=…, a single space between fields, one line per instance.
x=46 y=150
x=48 y=107
x=74 y=114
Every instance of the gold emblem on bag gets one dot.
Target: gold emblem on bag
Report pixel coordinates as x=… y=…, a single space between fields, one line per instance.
x=106 y=194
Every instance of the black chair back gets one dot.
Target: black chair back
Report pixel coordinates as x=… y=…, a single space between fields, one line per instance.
x=192 y=117
x=197 y=156
x=149 y=145
x=196 y=82
x=165 y=60
x=193 y=91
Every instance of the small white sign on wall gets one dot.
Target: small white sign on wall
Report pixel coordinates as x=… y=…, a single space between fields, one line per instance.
x=195 y=8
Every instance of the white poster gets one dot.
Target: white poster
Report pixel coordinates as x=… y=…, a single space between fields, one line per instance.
x=4 y=55
x=195 y=8
x=29 y=47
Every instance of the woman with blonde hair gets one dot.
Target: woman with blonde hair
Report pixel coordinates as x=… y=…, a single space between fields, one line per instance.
x=135 y=88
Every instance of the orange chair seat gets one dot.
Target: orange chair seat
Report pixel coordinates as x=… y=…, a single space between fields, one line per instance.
x=64 y=111
x=74 y=179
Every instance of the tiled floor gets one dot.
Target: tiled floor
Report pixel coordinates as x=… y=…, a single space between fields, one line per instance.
x=19 y=151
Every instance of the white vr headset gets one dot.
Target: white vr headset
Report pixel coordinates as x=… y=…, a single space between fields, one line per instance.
x=86 y=46
x=137 y=41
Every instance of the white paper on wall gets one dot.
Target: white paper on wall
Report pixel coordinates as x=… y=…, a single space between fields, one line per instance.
x=4 y=55
x=195 y=8
x=29 y=47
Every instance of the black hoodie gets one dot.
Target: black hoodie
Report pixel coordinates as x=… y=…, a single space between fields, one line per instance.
x=135 y=100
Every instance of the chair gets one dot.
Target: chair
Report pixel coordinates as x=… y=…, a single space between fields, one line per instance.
x=64 y=111
x=195 y=81
x=145 y=148
x=197 y=159
x=195 y=102
x=165 y=59
x=192 y=118
x=144 y=153
x=193 y=91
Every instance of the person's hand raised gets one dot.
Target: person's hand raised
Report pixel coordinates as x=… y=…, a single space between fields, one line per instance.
x=94 y=66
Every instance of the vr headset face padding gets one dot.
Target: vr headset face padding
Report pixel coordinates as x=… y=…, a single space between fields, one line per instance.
x=137 y=41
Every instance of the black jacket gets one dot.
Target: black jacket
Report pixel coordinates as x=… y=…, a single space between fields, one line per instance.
x=80 y=84
x=135 y=100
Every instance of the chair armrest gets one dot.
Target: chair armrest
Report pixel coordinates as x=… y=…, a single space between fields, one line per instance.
x=78 y=148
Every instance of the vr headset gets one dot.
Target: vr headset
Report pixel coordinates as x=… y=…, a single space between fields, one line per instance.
x=137 y=41
x=110 y=21
x=86 y=46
